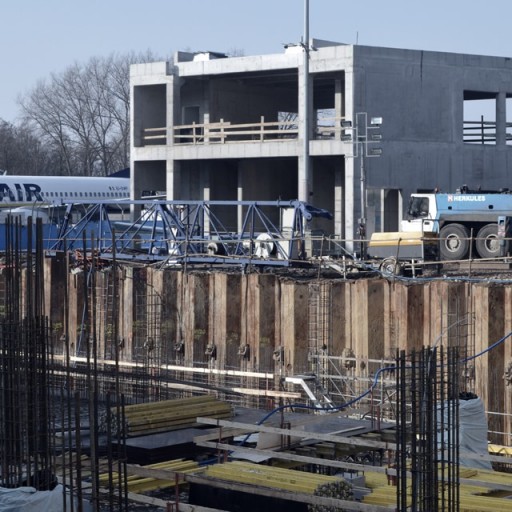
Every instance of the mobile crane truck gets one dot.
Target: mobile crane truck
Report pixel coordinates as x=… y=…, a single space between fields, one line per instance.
x=459 y=219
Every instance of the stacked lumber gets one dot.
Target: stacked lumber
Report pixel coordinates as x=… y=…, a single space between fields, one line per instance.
x=138 y=484
x=481 y=490
x=154 y=417
x=282 y=479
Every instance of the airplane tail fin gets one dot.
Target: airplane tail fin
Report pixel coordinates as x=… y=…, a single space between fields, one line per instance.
x=123 y=173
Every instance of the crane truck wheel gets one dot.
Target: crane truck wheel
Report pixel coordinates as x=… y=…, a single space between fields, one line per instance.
x=487 y=242
x=454 y=242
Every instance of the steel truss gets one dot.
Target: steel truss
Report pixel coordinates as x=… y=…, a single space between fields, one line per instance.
x=193 y=232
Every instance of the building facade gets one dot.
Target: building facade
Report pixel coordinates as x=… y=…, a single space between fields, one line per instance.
x=352 y=129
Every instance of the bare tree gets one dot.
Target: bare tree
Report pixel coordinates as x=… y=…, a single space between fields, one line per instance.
x=21 y=151
x=83 y=114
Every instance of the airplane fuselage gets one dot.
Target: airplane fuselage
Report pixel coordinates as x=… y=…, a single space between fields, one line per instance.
x=17 y=190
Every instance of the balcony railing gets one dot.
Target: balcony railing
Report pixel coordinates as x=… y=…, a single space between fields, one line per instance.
x=224 y=132
x=484 y=132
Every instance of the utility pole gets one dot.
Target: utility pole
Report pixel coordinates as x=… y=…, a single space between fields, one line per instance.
x=304 y=180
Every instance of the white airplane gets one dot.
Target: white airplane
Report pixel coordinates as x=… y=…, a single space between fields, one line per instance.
x=33 y=191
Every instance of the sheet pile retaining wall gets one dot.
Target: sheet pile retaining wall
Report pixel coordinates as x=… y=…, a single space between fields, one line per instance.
x=250 y=320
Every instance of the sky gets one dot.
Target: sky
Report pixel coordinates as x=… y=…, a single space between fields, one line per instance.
x=38 y=38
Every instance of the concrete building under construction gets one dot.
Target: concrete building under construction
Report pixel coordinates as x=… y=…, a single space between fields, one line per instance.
x=352 y=129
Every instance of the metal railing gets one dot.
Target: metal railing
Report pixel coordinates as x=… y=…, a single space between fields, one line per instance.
x=484 y=132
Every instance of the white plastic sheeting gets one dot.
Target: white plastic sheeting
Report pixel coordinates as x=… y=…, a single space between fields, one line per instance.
x=473 y=432
x=28 y=499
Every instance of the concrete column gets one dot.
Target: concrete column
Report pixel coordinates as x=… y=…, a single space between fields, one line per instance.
x=351 y=183
x=383 y=210
x=305 y=185
x=339 y=107
x=172 y=100
x=173 y=180
x=136 y=117
x=205 y=181
x=136 y=181
x=501 y=119
x=239 y=197
x=338 y=200
x=351 y=179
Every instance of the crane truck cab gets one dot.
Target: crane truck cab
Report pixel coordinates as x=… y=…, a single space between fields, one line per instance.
x=464 y=220
x=421 y=215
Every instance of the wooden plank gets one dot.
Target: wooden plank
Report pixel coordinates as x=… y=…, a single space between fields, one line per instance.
x=333 y=437
x=302 y=459
x=353 y=441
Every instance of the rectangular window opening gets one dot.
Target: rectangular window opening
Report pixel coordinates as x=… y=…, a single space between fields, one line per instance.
x=479 y=121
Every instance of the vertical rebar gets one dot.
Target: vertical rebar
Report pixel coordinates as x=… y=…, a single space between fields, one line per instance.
x=427 y=458
x=27 y=450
